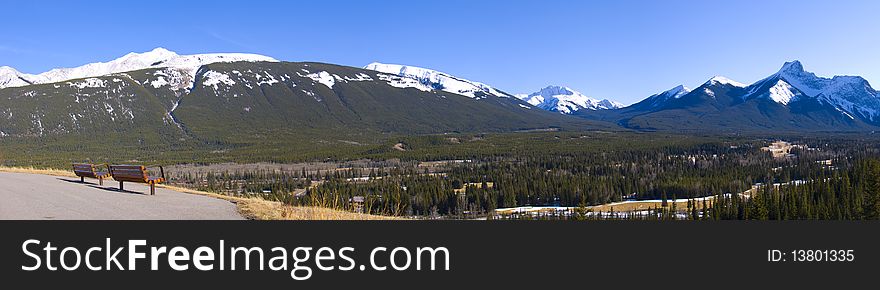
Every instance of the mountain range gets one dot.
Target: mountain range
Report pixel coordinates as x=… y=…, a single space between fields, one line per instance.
x=160 y=97
x=791 y=99
x=566 y=101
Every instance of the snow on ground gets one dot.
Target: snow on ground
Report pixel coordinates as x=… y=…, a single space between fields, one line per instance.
x=569 y=209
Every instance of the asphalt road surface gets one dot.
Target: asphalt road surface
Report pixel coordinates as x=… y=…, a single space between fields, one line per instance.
x=44 y=197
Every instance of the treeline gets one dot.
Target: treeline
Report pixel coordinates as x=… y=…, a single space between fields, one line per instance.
x=852 y=194
x=824 y=191
x=167 y=148
x=560 y=175
x=270 y=184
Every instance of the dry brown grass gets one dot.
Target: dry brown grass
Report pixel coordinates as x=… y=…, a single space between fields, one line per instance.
x=321 y=213
x=32 y=170
x=261 y=209
x=250 y=208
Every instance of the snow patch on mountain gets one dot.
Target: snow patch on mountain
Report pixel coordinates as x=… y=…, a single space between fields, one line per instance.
x=175 y=78
x=214 y=79
x=565 y=100
x=782 y=93
x=678 y=91
x=360 y=77
x=846 y=114
x=709 y=92
x=657 y=100
x=88 y=83
x=266 y=79
x=402 y=82
x=427 y=80
x=158 y=83
x=324 y=78
x=725 y=81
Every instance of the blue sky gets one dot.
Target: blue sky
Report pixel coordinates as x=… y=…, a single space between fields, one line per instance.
x=623 y=50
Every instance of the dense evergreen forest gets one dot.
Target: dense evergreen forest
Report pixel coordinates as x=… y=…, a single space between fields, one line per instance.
x=821 y=179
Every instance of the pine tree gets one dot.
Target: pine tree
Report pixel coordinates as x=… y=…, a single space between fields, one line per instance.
x=872 y=206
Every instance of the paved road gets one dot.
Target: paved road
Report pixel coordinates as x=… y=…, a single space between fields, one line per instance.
x=43 y=197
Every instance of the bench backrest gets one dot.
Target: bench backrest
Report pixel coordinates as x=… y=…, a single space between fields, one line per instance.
x=131 y=173
x=84 y=169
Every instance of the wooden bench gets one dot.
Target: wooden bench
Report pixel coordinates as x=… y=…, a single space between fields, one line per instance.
x=84 y=170
x=136 y=173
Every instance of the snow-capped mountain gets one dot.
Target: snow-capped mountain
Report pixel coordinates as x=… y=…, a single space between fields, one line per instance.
x=9 y=77
x=720 y=80
x=204 y=96
x=565 y=100
x=661 y=98
x=181 y=69
x=791 y=99
x=404 y=76
x=852 y=95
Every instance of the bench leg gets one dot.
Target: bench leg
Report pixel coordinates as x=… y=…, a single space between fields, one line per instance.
x=82 y=179
x=120 y=186
x=152 y=189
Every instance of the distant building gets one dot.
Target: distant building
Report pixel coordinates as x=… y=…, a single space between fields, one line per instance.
x=779 y=149
x=357 y=203
x=463 y=189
